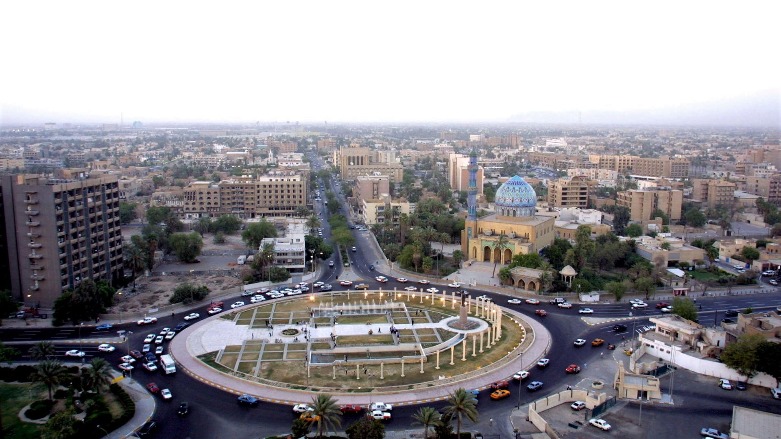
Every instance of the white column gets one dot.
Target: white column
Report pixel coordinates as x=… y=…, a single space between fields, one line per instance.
x=452 y=348
x=463 y=350
x=357 y=371
x=382 y=371
x=402 y=368
x=474 y=342
x=437 y=368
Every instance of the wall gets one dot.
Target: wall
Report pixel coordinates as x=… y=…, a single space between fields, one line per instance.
x=556 y=399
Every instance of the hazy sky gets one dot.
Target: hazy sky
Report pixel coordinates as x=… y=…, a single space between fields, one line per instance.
x=379 y=60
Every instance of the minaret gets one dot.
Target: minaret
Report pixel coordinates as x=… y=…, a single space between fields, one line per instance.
x=471 y=199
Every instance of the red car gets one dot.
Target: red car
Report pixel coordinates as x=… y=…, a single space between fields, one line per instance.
x=152 y=387
x=351 y=408
x=503 y=384
x=136 y=354
x=572 y=368
x=661 y=305
x=541 y=312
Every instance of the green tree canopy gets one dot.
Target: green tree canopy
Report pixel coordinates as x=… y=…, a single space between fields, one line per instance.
x=685 y=308
x=227 y=224
x=743 y=355
x=256 y=232
x=127 y=212
x=461 y=404
x=694 y=217
x=633 y=230
x=366 y=428
x=187 y=246
x=616 y=289
x=750 y=253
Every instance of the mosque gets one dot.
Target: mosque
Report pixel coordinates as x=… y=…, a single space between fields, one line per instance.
x=514 y=218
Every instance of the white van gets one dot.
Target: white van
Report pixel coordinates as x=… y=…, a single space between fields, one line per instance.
x=241 y=260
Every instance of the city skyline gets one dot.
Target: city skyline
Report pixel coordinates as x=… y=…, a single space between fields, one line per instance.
x=695 y=63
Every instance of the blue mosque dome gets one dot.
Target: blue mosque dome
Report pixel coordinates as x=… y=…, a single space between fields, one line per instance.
x=515 y=198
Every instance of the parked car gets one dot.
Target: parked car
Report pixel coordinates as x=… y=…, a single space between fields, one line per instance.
x=381 y=406
x=147 y=429
x=514 y=301
x=578 y=405
x=661 y=305
x=149 y=338
x=146 y=348
x=534 y=386
x=725 y=384
x=713 y=433
x=150 y=366
x=127 y=359
x=302 y=408
x=166 y=394
x=104 y=327
x=599 y=423
x=213 y=311
x=136 y=354
x=741 y=385
x=248 y=400
x=160 y=339
x=380 y=415
x=500 y=394
x=126 y=367
x=152 y=387
x=237 y=305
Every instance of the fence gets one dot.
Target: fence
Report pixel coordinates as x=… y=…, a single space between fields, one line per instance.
x=602 y=408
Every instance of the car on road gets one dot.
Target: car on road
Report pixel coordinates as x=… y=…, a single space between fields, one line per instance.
x=170 y=335
x=379 y=415
x=75 y=353
x=248 y=400
x=577 y=405
x=237 y=305
x=541 y=312
x=532 y=301
x=633 y=301
x=580 y=342
x=534 y=386
x=454 y=285
x=741 y=385
x=381 y=406
x=126 y=366
x=166 y=394
x=599 y=423
x=150 y=366
x=597 y=342
x=667 y=309
x=257 y=299
x=213 y=311
x=725 y=384
x=127 y=359
x=160 y=339
x=326 y=287
x=432 y=290
x=136 y=354
x=543 y=363
x=147 y=429
x=381 y=279
x=521 y=375
x=152 y=387
x=302 y=408
x=773 y=282
x=159 y=350
x=639 y=305
x=661 y=305
x=181 y=326
x=192 y=316
x=345 y=283
x=150 y=338
x=586 y=311
x=105 y=347
x=147 y=321
x=514 y=301
x=410 y=288
x=423 y=282
x=731 y=313
x=362 y=287
x=164 y=331
x=402 y=280
x=713 y=433
x=500 y=394
x=351 y=408
x=572 y=368
x=146 y=348
x=104 y=327
x=331 y=264
x=501 y=384
x=184 y=409
x=150 y=356
x=565 y=305
x=619 y=328
x=309 y=417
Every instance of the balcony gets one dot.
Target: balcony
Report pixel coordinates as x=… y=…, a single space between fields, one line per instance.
x=37 y=267
x=33 y=235
x=31 y=212
x=36 y=277
x=34 y=245
x=34 y=255
x=32 y=223
x=34 y=287
x=31 y=201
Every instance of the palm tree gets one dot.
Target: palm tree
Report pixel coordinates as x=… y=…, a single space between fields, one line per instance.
x=313 y=222
x=50 y=373
x=265 y=257
x=43 y=350
x=135 y=258
x=426 y=416
x=460 y=404
x=326 y=413
x=443 y=239
x=500 y=244
x=98 y=374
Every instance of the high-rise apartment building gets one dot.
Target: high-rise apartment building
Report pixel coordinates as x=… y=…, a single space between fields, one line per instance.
x=58 y=233
x=358 y=160
x=570 y=192
x=642 y=203
x=713 y=193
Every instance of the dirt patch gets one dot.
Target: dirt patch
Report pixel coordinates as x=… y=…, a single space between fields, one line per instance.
x=155 y=291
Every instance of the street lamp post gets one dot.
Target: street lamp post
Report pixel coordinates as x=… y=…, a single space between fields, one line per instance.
x=81 y=342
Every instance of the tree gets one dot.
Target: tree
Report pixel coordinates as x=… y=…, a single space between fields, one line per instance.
x=256 y=232
x=187 y=246
x=617 y=289
x=300 y=428
x=43 y=350
x=7 y=304
x=426 y=416
x=278 y=274
x=98 y=375
x=227 y=224
x=326 y=413
x=342 y=236
x=135 y=258
x=685 y=308
x=694 y=217
x=499 y=245
x=583 y=250
x=313 y=222
x=127 y=212
x=365 y=428
x=742 y=355
x=461 y=404
x=621 y=216
x=86 y=302
x=61 y=425
x=750 y=253
x=49 y=372
x=769 y=360
x=645 y=286
x=458 y=257
x=633 y=230
x=659 y=213
x=7 y=354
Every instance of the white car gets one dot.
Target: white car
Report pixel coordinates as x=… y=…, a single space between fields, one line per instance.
x=381 y=279
x=105 y=347
x=237 y=304
x=302 y=408
x=165 y=331
x=410 y=288
x=127 y=359
x=532 y=301
x=192 y=316
x=586 y=311
x=256 y=299
x=380 y=406
x=126 y=366
x=170 y=335
x=402 y=280
x=521 y=375
x=159 y=339
x=578 y=405
x=159 y=350
x=146 y=348
x=543 y=362
x=515 y=301
x=725 y=384
x=432 y=290
x=318 y=284
x=147 y=321
x=580 y=342
x=566 y=305
x=380 y=415
x=150 y=366
x=639 y=305
x=667 y=309
x=215 y=311
x=633 y=301
x=599 y=423
x=454 y=285
x=166 y=394
x=150 y=338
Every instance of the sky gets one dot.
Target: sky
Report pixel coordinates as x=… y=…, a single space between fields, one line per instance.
x=387 y=61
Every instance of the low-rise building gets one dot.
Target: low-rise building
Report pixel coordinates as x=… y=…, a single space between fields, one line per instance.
x=667 y=249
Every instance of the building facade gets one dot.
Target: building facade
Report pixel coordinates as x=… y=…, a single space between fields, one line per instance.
x=642 y=203
x=357 y=160
x=59 y=233
x=570 y=192
x=713 y=193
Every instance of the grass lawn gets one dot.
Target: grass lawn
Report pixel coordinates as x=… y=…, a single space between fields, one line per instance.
x=13 y=397
x=707 y=276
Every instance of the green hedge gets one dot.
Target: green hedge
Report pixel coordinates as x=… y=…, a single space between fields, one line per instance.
x=128 y=407
x=19 y=374
x=39 y=409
